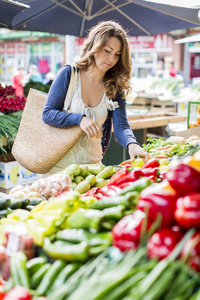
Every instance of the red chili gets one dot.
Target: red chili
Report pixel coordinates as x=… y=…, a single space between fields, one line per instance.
x=119 y=175
x=183 y=178
x=187 y=213
x=132 y=176
x=151 y=163
x=162 y=242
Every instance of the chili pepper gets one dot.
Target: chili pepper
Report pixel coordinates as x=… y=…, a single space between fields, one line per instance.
x=124 y=184
x=93 y=192
x=187 y=213
x=136 y=186
x=191 y=251
x=114 y=213
x=162 y=242
x=159 y=199
x=183 y=178
x=86 y=219
x=151 y=163
x=131 y=176
x=18 y=293
x=66 y=251
x=80 y=235
x=150 y=172
x=119 y=174
x=128 y=201
x=49 y=277
x=127 y=232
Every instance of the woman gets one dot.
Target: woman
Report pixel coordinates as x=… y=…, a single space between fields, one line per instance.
x=104 y=71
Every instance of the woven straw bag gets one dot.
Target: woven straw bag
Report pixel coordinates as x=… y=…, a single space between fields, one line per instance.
x=38 y=146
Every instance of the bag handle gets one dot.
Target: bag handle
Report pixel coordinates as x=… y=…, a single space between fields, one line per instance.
x=71 y=87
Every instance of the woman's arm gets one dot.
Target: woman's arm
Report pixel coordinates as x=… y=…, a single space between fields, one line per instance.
x=53 y=113
x=124 y=134
x=122 y=130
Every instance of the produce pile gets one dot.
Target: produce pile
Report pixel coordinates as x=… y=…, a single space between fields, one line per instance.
x=123 y=232
x=9 y=102
x=9 y=125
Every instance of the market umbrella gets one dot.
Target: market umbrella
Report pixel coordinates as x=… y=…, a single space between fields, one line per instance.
x=76 y=17
x=8 y=10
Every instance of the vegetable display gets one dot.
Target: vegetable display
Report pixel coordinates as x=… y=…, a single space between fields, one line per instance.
x=133 y=233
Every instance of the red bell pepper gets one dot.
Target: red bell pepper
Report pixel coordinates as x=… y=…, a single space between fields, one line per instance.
x=191 y=251
x=126 y=233
x=124 y=171
x=183 y=178
x=162 y=242
x=187 y=213
x=151 y=163
x=158 y=199
x=18 y=293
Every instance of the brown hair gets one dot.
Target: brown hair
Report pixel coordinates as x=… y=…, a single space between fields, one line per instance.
x=117 y=79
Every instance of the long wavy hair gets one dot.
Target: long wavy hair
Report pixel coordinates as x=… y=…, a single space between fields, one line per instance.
x=117 y=79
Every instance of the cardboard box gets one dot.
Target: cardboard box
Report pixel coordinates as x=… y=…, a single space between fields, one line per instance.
x=12 y=173
x=189 y=132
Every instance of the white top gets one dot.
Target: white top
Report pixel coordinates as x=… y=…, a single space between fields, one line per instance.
x=85 y=150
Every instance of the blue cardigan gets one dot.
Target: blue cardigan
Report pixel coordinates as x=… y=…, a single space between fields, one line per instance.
x=54 y=115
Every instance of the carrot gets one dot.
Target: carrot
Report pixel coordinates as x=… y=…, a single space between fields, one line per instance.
x=160 y=156
x=126 y=162
x=163 y=148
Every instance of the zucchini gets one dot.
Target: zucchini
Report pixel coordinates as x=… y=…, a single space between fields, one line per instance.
x=15 y=203
x=35 y=200
x=4 y=202
x=25 y=202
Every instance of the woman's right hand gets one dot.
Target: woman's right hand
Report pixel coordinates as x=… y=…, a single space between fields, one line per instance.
x=91 y=128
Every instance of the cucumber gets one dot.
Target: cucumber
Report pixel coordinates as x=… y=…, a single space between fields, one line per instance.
x=35 y=200
x=4 y=202
x=29 y=207
x=4 y=212
x=15 y=203
x=25 y=202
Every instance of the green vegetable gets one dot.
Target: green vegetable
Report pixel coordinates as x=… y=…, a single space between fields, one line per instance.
x=50 y=276
x=66 y=251
x=4 y=202
x=34 y=264
x=19 y=270
x=37 y=276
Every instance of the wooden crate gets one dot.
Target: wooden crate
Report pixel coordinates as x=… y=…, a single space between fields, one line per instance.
x=140 y=103
x=166 y=106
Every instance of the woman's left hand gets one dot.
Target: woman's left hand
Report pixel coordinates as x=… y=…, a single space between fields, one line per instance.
x=135 y=150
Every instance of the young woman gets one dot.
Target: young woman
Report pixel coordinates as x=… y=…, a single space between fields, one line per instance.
x=98 y=101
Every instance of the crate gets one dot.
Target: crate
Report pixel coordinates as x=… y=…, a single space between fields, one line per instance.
x=193 y=117
x=140 y=103
x=12 y=173
x=167 y=106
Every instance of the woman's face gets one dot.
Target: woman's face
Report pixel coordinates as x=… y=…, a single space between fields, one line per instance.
x=109 y=55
